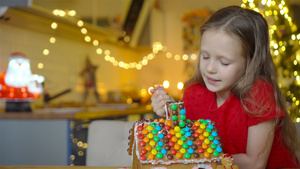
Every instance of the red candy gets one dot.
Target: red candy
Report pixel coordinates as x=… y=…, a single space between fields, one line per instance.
x=143 y=151
x=142 y=143
x=173 y=151
x=140 y=128
x=195 y=128
x=200 y=150
x=199 y=143
x=171 y=143
x=196 y=134
x=142 y=157
x=169 y=136
x=141 y=136
x=167 y=127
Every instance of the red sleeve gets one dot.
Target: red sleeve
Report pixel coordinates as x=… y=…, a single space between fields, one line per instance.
x=261 y=102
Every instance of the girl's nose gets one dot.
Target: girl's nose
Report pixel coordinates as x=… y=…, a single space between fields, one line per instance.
x=211 y=67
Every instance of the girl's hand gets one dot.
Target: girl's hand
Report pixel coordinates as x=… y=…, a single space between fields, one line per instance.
x=159 y=99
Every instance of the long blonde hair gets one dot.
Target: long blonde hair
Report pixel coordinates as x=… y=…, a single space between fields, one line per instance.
x=252 y=30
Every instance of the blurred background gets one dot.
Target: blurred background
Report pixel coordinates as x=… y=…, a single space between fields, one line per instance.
x=100 y=55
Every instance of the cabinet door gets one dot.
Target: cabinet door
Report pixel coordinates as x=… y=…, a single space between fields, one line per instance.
x=35 y=142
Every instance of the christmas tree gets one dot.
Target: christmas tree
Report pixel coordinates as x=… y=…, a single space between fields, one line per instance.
x=284 y=45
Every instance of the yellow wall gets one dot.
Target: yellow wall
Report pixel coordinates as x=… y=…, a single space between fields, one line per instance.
x=67 y=56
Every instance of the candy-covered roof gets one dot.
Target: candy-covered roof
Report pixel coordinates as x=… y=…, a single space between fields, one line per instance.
x=177 y=139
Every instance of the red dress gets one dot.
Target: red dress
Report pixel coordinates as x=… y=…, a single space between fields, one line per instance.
x=233 y=121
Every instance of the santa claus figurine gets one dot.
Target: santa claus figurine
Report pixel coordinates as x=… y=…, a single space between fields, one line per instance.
x=18 y=85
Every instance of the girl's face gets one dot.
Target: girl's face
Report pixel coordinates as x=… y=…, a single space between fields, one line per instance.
x=221 y=61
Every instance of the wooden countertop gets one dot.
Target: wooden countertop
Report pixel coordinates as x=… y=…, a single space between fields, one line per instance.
x=102 y=111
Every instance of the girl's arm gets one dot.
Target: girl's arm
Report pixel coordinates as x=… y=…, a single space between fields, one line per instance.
x=259 y=144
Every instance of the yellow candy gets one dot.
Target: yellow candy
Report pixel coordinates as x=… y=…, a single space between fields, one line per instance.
x=202 y=126
x=178 y=135
x=210 y=150
x=150 y=128
x=154 y=151
x=177 y=128
x=180 y=142
x=182 y=150
x=206 y=141
x=150 y=135
x=206 y=134
x=152 y=143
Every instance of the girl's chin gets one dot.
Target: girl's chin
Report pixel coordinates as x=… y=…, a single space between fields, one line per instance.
x=211 y=88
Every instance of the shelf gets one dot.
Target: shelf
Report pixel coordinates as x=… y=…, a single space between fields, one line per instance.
x=39 y=19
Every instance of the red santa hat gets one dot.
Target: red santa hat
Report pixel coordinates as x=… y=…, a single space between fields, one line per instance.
x=17 y=55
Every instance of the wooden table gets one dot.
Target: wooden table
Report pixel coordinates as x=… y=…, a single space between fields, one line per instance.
x=60 y=167
x=86 y=114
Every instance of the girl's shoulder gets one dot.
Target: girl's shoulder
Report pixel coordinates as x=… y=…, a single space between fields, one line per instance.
x=261 y=99
x=262 y=87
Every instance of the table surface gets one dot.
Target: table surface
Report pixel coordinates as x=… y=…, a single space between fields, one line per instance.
x=60 y=167
x=90 y=113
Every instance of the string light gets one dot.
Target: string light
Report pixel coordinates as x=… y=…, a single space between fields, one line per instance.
x=156 y=47
x=278 y=49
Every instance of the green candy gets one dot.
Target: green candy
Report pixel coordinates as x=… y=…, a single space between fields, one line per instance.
x=185 y=146
x=182 y=131
x=174 y=107
x=188 y=120
x=158 y=148
x=214 y=146
x=182 y=117
x=205 y=122
x=215 y=153
x=181 y=124
x=174 y=118
x=156 y=138
x=187 y=155
x=159 y=155
x=208 y=130
x=153 y=124
x=154 y=131
x=183 y=138
x=211 y=138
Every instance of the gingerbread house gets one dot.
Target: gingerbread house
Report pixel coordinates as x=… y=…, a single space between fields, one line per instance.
x=175 y=142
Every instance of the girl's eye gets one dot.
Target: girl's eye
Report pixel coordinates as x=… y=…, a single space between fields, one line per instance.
x=204 y=56
x=224 y=63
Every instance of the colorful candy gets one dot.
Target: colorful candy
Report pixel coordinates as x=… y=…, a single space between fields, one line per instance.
x=157 y=139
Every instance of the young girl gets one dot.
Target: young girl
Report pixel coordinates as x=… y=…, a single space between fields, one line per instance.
x=235 y=86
